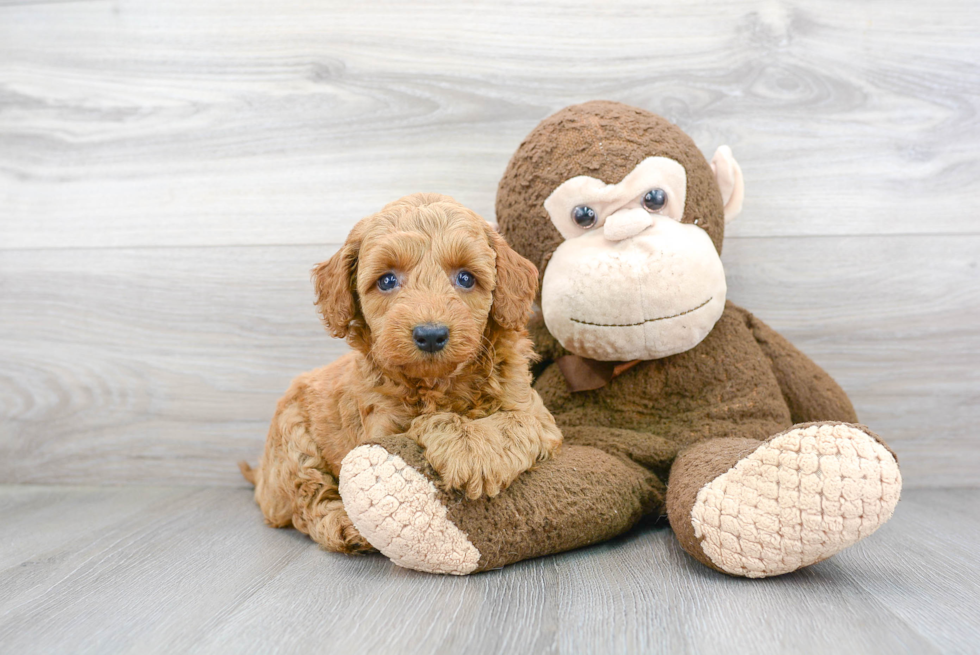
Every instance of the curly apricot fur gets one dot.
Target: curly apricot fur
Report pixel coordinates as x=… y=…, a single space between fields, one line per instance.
x=470 y=405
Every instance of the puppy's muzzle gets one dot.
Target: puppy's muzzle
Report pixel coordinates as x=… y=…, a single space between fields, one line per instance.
x=430 y=337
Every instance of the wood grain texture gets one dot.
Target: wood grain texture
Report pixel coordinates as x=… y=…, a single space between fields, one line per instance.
x=161 y=366
x=168 y=169
x=36 y=519
x=195 y=570
x=169 y=172
x=919 y=575
x=249 y=122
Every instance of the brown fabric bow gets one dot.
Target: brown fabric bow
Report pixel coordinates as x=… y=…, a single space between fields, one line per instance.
x=583 y=374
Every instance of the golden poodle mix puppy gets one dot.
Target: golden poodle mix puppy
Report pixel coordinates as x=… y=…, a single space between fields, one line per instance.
x=434 y=303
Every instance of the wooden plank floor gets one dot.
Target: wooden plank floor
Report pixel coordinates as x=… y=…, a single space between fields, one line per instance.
x=147 y=570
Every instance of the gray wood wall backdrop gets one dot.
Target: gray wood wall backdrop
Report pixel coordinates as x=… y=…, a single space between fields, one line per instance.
x=170 y=170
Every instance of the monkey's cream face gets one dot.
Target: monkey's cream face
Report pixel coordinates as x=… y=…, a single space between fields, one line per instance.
x=630 y=281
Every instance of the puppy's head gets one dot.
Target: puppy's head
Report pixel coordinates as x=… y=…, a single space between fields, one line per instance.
x=420 y=284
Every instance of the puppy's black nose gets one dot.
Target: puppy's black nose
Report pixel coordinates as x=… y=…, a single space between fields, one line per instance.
x=430 y=337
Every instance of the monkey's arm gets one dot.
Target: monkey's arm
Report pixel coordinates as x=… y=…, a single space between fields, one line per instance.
x=812 y=395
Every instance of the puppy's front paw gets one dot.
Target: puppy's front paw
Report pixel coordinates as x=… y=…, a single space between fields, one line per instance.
x=475 y=462
x=469 y=466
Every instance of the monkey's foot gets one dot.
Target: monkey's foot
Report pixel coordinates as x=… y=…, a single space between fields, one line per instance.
x=798 y=498
x=578 y=497
x=399 y=511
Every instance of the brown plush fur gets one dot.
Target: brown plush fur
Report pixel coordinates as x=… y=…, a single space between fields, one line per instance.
x=571 y=500
x=741 y=385
x=605 y=140
x=470 y=406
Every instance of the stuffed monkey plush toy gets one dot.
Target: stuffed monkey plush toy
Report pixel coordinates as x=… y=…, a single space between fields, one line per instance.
x=670 y=398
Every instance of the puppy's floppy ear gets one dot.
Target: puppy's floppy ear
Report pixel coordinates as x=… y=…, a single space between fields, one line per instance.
x=516 y=287
x=335 y=281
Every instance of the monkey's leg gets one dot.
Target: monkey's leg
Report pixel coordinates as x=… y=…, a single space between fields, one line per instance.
x=756 y=509
x=580 y=496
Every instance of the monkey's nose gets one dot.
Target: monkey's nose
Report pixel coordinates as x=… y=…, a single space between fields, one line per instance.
x=626 y=223
x=430 y=337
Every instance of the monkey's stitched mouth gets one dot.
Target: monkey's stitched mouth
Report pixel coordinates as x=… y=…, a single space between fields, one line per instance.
x=649 y=320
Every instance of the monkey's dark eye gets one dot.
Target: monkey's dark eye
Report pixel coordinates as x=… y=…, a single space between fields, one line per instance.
x=585 y=217
x=387 y=282
x=654 y=200
x=465 y=279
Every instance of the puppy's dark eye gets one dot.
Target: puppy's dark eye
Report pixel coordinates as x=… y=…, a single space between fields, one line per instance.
x=654 y=200
x=465 y=279
x=584 y=217
x=387 y=282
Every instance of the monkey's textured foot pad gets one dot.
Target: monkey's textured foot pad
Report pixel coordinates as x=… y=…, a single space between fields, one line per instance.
x=397 y=509
x=801 y=497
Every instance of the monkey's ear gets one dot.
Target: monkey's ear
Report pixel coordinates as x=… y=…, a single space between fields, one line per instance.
x=729 y=176
x=335 y=284
x=516 y=287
